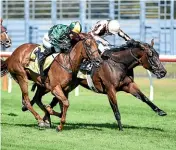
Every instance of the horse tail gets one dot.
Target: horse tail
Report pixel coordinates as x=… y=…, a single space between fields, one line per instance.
x=4 y=69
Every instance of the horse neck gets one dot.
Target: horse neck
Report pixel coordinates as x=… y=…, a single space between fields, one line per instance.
x=127 y=59
x=75 y=57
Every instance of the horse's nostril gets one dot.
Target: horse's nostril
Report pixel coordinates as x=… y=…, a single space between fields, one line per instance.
x=163 y=73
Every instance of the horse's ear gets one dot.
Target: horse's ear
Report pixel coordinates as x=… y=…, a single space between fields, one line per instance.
x=152 y=42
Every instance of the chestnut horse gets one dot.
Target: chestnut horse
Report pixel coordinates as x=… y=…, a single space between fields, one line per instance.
x=4 y=38
x=116 y=74
x=61 y=73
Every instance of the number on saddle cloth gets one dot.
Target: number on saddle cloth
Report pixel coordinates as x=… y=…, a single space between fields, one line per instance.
x=38 y=52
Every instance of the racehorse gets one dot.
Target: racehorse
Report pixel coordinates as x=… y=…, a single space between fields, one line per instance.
x=116 y=74
x=5 y=40
x=60 y=75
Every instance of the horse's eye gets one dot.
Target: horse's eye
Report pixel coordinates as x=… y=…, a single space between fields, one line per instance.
x=150 y=53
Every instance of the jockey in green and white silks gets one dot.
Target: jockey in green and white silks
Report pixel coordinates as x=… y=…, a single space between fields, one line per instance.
x=107 y=27
x=58 y=39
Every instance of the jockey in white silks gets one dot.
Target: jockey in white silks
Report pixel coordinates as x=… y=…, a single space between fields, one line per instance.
x=101 y=29
x=107 y=27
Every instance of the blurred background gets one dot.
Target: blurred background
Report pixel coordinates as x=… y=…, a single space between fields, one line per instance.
x=28 y=20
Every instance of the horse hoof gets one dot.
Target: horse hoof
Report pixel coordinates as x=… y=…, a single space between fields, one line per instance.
x=47 y=125
x=41 y=124
x=161 y=113
x=24 y=108
x=58 y=129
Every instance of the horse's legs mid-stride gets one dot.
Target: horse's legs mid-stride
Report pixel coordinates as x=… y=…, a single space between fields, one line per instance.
x=46 y=108
x=38 y=98
x=59 y=94
x=54 y=103
x=133 y=89
x=111 y=93
x=23 y=83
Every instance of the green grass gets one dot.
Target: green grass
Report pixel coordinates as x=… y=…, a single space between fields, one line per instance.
x=91 y=124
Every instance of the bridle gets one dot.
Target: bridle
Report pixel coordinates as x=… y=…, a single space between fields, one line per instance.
x=88 y=52
x=95 y=61
x=5 y=42
x=88 y=48
x=137 y=59
x=140 y=61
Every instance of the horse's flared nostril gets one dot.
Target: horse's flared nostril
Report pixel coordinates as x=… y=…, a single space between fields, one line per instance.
x=8 y=41
x=163 y=73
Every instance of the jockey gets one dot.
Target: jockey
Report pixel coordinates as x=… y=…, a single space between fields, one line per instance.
x=103 y=28
x=107 y=27
x=58 y=39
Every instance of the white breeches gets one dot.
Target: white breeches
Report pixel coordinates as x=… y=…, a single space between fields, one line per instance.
x=46 y=41
x=102 y=48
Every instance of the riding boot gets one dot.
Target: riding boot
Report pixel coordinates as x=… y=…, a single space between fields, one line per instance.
x=86 y=66
x=41 y=58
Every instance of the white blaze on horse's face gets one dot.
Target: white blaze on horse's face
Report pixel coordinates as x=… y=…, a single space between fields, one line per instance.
x=5 y=40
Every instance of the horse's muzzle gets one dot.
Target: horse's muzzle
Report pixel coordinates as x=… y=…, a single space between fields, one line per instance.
x=160 y=74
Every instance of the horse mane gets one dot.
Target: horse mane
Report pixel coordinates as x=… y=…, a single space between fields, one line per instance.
x=129 y=44
x=79 y=38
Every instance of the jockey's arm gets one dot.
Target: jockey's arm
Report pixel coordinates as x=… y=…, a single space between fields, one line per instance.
x=98 y=38
x=123 y=35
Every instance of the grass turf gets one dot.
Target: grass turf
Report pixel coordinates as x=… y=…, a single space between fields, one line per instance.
x=91 y=124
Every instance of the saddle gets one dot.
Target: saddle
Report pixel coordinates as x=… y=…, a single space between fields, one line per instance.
x=33 y=64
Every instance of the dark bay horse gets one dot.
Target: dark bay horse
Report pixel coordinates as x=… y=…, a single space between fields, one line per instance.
x=61 y=73
x=116 y=74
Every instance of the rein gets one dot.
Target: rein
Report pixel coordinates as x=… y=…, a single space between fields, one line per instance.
x=88 y=49
x=88 y=52
x=67 y=69
x=138 y=60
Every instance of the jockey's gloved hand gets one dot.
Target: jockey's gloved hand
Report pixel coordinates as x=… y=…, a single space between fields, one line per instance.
x=130 y=42
x=65 y=46
x=105 y=43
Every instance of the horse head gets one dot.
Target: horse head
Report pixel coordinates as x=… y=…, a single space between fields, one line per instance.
x=4 y=38
x=149 y=58
x=91 y=49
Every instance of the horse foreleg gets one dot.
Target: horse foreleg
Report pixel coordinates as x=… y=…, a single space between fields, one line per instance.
x=57 y=91
x=22 y=81
x=133 y=89
x=38 y=99
x=32 y=102
x=52 y=105
x=113 y=102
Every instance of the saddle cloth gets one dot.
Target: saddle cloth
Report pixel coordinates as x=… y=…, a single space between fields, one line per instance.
x=33 y=64
x=88 y=77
